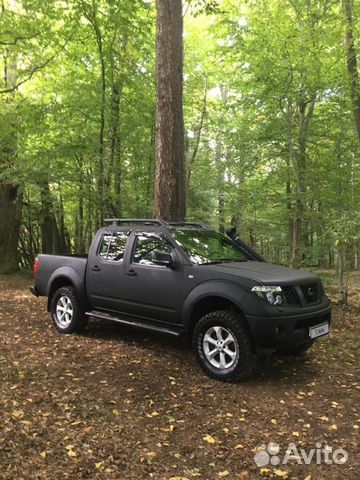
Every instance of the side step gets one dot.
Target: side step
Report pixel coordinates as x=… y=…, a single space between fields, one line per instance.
x=136 y=323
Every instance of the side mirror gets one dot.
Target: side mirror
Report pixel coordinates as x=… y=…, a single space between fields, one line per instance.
x=162 y=258
x=231 y=232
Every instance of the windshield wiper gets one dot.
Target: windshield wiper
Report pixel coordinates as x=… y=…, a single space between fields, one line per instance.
x=222 y=260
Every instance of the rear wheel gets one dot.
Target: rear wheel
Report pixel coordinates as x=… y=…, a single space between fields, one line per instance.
x=223 y=347
x=67 y=313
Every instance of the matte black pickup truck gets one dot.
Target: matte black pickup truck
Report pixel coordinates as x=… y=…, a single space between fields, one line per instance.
x=185 y=278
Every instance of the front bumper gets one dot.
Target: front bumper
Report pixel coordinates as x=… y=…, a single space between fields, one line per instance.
x=271 y=333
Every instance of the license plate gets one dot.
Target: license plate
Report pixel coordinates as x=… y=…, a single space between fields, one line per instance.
x=319 y=330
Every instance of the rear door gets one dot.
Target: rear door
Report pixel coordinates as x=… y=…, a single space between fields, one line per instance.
x=105 y=272
x=151 y=290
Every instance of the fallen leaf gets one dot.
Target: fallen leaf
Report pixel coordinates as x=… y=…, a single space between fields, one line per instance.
x=281 y=473
x=209 y=439
x=264 y=471
x=296 y=434
x=17 y=413
x=223 y=474
x=98 y=464
x=179 y=478
x=151 y=455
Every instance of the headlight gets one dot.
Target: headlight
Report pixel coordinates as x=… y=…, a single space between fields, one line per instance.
x=271 y=294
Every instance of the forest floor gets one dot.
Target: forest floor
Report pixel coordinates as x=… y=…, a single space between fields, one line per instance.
x=116 y=403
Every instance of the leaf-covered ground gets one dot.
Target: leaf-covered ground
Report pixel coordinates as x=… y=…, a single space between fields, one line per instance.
x=116 y=403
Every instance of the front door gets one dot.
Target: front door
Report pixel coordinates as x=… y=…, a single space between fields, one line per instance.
x=151 y=290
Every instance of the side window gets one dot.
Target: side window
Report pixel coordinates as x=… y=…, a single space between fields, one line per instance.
x=112 y=246
x=145 y=244
x=104 y=245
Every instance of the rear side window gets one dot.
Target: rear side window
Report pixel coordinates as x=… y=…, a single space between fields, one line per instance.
x=112 y=246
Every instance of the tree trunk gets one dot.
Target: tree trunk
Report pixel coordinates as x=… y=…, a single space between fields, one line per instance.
x=220 y=184
x=352 y=66
x=10 y=196
x=306 y=110
x=90 y=12
x=220 y=167
x=170 y=201
x=290 y=161
x=79 y=220
x=46 y=220
x=10 y=216
x=192 y=159
x=343 y=292
x=62 y=235
x=150 y=174
x=115 y=145
x=289 y=211
x=102 y=169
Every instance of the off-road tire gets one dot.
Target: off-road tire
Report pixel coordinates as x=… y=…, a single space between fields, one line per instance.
x=65 y=299
x=245 y=360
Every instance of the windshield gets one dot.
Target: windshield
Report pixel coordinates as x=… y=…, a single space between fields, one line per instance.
x=206 y=246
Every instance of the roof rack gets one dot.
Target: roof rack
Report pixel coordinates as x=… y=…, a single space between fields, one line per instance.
x=156 y=222
x=136 y=221
x=190 y=224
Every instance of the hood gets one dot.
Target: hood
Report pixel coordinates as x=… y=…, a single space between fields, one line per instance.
x=263 y=272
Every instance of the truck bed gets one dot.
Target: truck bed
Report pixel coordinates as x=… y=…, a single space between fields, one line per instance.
x=48 y=264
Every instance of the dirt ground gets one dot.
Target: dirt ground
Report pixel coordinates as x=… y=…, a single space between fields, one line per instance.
x=116 y=403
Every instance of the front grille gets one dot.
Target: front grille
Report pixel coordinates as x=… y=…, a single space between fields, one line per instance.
x=291 y=296
x=310 y=292
x=306 y=294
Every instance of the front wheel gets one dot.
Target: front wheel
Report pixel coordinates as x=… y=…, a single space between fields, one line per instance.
x=223 y=347
x=67 y=314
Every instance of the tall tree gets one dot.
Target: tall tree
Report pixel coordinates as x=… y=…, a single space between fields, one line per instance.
x=10 y=195
x=352 y=62
x=169 y=136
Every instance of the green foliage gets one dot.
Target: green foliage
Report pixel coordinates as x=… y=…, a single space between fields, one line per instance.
x=253 y=71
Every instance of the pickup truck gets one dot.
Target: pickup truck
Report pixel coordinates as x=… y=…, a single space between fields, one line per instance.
x=186 y=279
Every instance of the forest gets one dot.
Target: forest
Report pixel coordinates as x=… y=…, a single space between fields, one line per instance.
x=271 y=112
x=234 y=113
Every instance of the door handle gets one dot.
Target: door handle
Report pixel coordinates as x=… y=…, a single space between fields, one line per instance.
x=95 y=268
x=131 y=273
